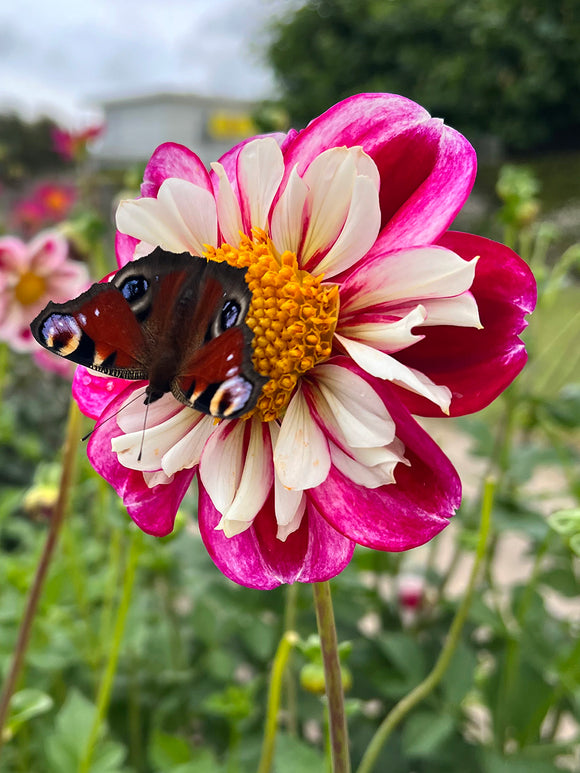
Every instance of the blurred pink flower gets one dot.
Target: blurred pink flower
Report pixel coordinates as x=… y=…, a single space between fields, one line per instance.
x=72 y=145
x=31 y=275
x=395 y=315
x=48 y=204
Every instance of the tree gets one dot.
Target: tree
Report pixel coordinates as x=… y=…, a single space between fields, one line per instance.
x=510 y=68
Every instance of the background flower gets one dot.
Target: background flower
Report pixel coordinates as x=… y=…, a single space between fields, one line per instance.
x=31 y=275
x=355 y=209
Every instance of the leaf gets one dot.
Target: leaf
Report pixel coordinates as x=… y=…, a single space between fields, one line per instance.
x=294 y=755
x=425 y=732
x=493 y=762
x=25 y=705
x=566 y=522
x=166 y=751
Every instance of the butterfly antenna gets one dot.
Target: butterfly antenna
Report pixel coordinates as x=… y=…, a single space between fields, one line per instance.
x=112 y=416
x=144 y=428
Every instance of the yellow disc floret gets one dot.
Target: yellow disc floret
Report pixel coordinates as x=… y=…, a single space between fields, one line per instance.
x=30 y=288
x=292 y=316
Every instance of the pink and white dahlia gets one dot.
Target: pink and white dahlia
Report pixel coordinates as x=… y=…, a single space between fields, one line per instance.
x=31 y=275
x=365 y=309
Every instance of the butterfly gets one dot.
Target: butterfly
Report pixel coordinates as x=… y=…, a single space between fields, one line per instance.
x=175 y=320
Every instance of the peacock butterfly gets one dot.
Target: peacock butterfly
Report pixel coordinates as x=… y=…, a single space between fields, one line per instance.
x=175 y=320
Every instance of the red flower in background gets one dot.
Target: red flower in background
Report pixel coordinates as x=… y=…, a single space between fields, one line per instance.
x=72 y=145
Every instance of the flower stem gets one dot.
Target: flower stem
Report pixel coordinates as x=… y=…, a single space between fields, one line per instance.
x=332 y=677
x=73 y=432
x=287 y=642
x=422 y=690
x=106 y=684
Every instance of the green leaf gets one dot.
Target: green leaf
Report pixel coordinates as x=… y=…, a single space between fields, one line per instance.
x=166 y=751
x=294 y=755
x=425 y=733
x=493 y=762
x=25 y=705
x=566 y=522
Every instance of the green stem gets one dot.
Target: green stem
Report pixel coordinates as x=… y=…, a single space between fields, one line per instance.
x=4 y=361
x=332 y=677
x=287 y=642
x=422 y=690
x=73 y=432
x=104 y=694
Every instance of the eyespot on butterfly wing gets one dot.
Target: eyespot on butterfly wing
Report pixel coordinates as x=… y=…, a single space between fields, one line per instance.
x=175 y=320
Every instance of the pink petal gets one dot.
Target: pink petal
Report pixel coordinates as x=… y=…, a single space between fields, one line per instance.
x=402 y=515
x=125 y=248
x=258 y=559
x=173 y=160
x=152 y=509
x=93 y=392
x=477 y=365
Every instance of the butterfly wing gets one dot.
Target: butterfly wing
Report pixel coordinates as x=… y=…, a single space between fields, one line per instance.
x=97 y=330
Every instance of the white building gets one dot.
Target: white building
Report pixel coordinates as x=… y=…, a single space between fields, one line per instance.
x=135 y=126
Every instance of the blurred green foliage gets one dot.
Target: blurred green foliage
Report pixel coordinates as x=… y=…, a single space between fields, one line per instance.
x=26 y=149
x=505 y=68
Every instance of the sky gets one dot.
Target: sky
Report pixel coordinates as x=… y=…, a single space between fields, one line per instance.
x=62 y=57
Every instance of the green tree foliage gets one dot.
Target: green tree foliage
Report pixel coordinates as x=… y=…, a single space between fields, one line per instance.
x=26 y=148
x=510 y=68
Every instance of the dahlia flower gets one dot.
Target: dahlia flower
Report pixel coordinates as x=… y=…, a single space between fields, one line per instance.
x=365 y=309
x=31 y=274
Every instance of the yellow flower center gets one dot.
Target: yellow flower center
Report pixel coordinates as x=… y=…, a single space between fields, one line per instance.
x=30 y=288
x=292 y=316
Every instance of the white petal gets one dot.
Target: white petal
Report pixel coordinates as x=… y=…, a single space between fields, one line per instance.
x=415 y=274
x=156 y=478
x=288 y=503
x=359 y=231
x=384 y=366
x=144 y=450
x=388 y=336
x=285 y=529
x=330 y=178
x=187 y=452
x=131 y=416
x=182 y=218
x=142 y=249
x=255 y=482
x=228 y=207
x=361 y=474
x=301 y=455
x=222 y=463
x=260 y=172
x=357 y=409
x=288 y=215
x=460 y=311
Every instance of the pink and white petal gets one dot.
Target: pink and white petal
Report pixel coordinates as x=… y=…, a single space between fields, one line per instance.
x=383 y=366
x=402 y=515
x=222 y=463
x=356 y=408
x=287 y=218
x=255 y=482
x=388 y=336
x=173 y=160
x=358 y=233
x=229 y=160
x=260 y=171
x=477 y=365
x=406 y=275
x=182 y=218
x=228 y=207
x=427 y=176
x=301 y=455
x=459 y=311
x=187 y=452
x=131 y=417
x=47 y=252
x=153 y=509
x=144 y=449
x=330 y=179
x=94 y=391
x=369 y=120
x=285 y=529
x=14 y=254
x=258 y=559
